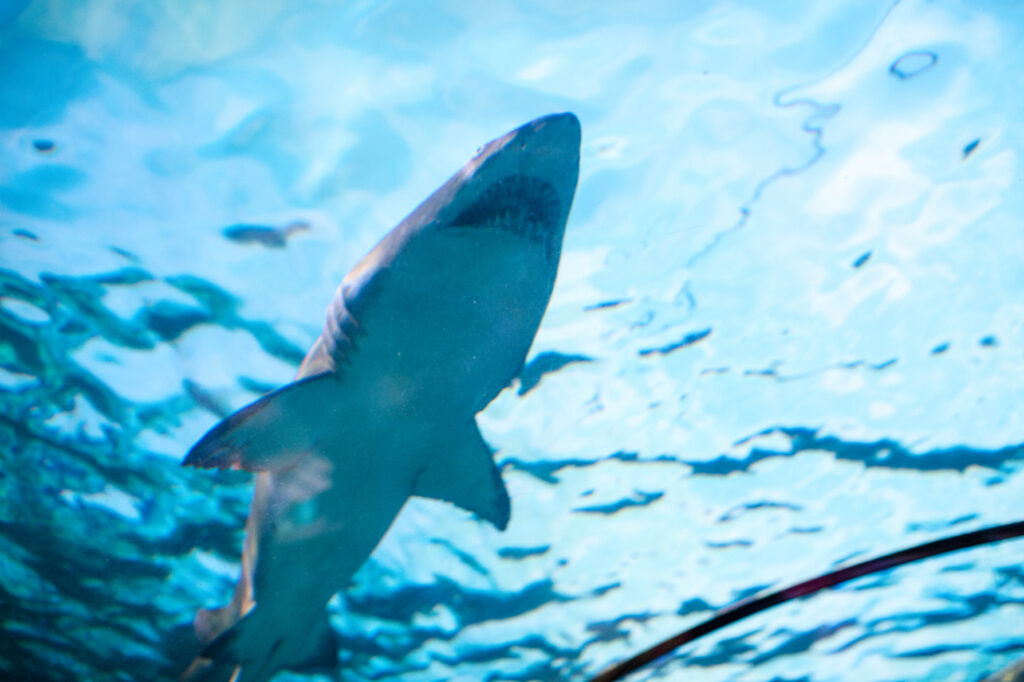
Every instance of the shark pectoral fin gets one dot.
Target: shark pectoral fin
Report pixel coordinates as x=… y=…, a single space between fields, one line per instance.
x=272 y=433
x=466 y=476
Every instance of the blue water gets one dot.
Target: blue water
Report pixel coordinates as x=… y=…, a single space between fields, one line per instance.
x=788 y=329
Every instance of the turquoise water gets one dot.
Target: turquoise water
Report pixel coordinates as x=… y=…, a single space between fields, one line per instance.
x=788 y=329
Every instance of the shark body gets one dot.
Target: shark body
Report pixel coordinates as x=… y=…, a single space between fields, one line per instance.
x=421 y=335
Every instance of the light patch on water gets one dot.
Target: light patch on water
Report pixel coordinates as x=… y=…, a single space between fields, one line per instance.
x=881 y=410
x=610 y=147
x=215 y=357
x=540 y=69
x=216 y=565
x=24 y=311
x=82 y=419
x=137 y=375
x=110 y=498
x=15 y=380
x=127 y=301
x=440 y=616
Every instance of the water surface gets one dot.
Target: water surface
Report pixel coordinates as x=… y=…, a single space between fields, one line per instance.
x=788 y=329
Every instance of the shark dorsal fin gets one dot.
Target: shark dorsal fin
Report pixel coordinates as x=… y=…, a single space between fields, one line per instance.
x=465 y=475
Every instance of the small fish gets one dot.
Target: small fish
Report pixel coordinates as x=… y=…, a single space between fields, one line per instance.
x=274 y=237
x=421 y=335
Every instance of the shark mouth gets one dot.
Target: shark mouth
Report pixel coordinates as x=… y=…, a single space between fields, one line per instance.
x=521 y=204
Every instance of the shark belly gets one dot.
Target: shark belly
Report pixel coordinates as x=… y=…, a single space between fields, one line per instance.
x=437 y=346
x=327 y=515
x=441 y=342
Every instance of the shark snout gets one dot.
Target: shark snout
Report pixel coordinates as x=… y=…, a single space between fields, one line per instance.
x=550 y=150
x=553 y=130
x=547 y=148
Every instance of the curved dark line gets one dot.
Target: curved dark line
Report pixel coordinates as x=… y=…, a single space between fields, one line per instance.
x=821 y=112
x=740 y=610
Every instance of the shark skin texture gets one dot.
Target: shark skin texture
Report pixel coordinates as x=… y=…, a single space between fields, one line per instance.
x=421 y=335
x=1012 y=673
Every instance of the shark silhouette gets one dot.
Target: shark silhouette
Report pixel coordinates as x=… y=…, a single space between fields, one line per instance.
x=421 y=335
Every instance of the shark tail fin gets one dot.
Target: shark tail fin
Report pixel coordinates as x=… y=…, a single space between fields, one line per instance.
x=272 y=433
x=261 y=647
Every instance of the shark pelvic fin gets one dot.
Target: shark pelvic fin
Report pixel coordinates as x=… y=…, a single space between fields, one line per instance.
x=272 y=433
x=209 y=623
x=466 y=476
x=254 y=645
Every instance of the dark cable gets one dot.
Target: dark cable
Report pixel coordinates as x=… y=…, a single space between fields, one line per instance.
x=742 y=609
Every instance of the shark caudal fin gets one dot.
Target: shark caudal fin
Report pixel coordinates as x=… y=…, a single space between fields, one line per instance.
x=259 y=646
x=465 y=475
x=270 y=434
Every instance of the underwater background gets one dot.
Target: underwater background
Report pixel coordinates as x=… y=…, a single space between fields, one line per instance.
x=788 y=329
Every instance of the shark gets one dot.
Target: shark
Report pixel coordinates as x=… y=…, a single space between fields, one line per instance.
x=420 y=336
